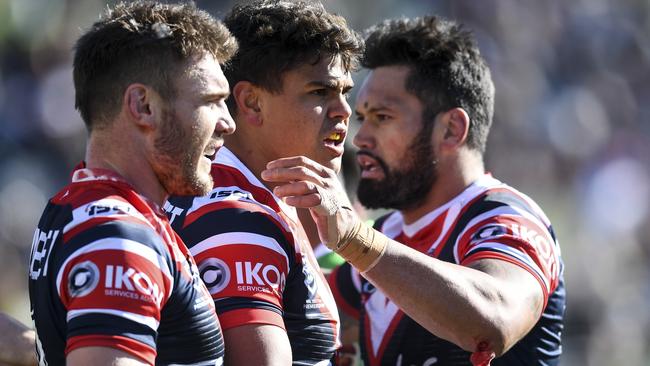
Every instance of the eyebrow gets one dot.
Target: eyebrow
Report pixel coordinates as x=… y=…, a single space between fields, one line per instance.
x=332 y=85
x=213 y=95
x=376 y=109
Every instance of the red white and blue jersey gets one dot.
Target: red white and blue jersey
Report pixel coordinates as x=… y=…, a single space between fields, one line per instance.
x=256 y=261
x=107 y=270
x=488 y=220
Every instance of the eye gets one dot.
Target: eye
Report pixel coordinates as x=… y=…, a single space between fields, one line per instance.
x=216 y=102
x=382 y=117
x=359 y=118
x=319 y=92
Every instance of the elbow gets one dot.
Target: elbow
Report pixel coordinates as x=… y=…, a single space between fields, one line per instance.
x=490 y=339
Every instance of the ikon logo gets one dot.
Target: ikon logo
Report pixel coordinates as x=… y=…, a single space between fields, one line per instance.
x=118 y=278
x=258 y=274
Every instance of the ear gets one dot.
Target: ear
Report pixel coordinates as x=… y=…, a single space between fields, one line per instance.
x=248 y=102
x=142 y=105
x=455 y=126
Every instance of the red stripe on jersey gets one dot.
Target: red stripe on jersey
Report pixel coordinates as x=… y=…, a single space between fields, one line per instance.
x=422 y=239
x=341 y=301
x=450 y=230
x=124 y=344
x=375 y=360
x=127 y=282
x=497 y=255
x=239 y=317
x=98 y=221
x=230 y=176
x=524 y=235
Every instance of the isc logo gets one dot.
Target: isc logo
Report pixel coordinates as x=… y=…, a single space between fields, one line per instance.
x=120 y=279
x=97 y=209
x=258 y=274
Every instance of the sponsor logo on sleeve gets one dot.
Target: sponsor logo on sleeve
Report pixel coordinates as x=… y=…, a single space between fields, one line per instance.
x=490 y=231
x=215 y=274
x=259 y=277
x=83 y=279
x=130 y=283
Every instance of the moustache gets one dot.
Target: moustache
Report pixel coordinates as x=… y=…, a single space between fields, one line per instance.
x=379 y=160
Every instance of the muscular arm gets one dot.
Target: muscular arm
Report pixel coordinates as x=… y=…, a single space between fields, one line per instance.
x=17 y=342
x=102 y=356
x=486 y=307
x=257 y=344
x=489 y=306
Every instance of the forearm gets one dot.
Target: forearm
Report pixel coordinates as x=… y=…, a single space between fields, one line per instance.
x=17 y=343
x=456 y=303
x=488 y=307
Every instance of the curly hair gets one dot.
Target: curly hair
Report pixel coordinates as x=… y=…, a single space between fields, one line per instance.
x=277 y=36
x=446 y=68
x=145 y=42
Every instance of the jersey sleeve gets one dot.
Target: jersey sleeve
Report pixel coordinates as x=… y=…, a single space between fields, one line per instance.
x=514 y=235
x=244 y=257
x=113 y=279
x=345 y=283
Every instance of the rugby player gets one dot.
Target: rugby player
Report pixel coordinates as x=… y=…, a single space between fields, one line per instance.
x=466 y=268
x=289 y=84
x=110 y=283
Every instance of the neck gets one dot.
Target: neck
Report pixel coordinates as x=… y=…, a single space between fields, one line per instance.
x=458 y=175
x=251 y=151
x=128 y=157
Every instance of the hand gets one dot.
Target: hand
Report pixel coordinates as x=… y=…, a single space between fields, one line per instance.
x=308 y=184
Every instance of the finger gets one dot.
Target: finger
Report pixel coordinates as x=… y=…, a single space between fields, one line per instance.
x=300 y=188
x=307 y=201
x=300 y=161
x=293 y=173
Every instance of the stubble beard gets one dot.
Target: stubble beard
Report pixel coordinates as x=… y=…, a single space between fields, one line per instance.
x=177 y=157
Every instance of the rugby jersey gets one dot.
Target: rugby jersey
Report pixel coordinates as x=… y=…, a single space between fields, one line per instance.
x=487 y=220
x=107 y=270
x=256 y=260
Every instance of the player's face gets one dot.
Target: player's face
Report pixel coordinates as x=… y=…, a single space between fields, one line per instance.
x=192 y=129
x=396 y=154
x=310 y=116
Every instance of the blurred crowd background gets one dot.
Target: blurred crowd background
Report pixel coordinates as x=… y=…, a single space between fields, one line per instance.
x=572 y=129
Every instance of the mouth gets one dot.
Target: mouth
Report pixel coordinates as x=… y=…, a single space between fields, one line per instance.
x=369 y=166
x=335 y=140
x=211 y=150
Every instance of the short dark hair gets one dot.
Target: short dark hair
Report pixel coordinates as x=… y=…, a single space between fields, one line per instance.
x=144 y=42
x=447 y=69
x=277 y=36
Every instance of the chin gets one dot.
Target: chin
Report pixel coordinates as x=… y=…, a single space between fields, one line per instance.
x=334 y=164
x=195 y=184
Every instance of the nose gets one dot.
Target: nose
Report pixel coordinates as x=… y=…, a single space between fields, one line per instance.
x=340 y=109
x=363 y=138
x=225 y=122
